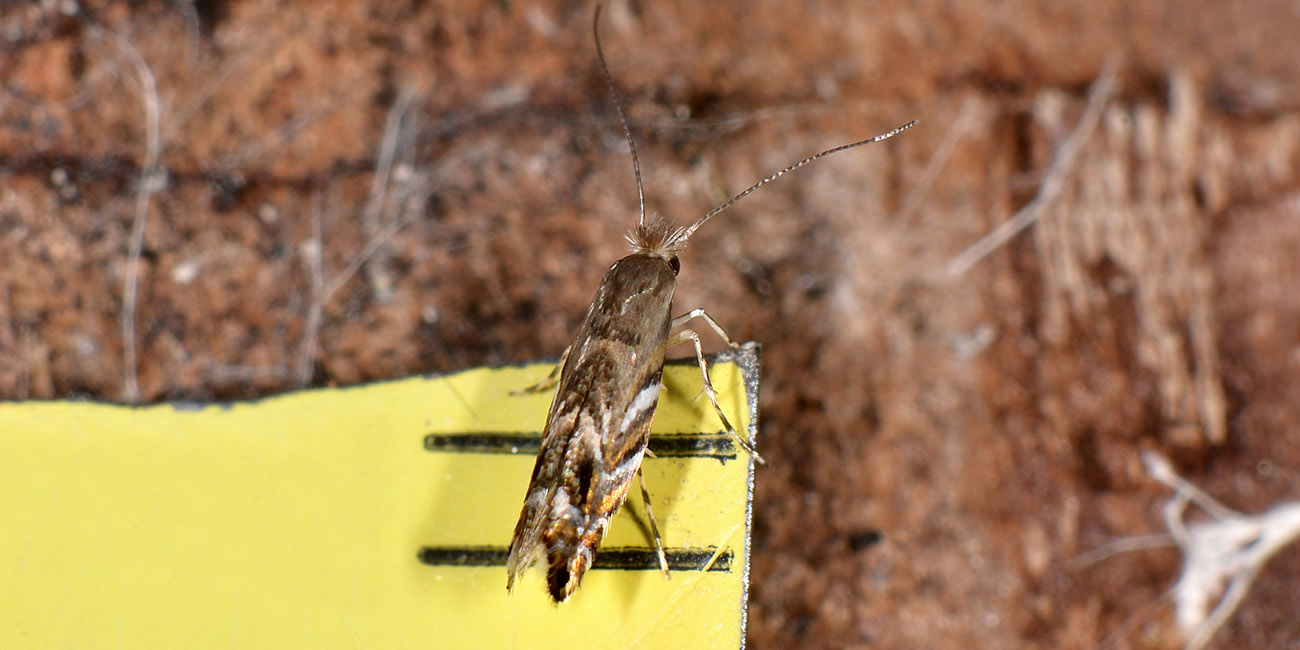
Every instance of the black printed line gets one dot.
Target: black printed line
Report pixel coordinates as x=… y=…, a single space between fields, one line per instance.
x=645 y=559
x=464 y=555
x=703 y=445
x=700 y=445
x=484 y=443
x=620 y=558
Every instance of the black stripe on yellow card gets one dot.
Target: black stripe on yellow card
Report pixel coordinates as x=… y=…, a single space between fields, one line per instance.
x=625 y=558
x=695 y=445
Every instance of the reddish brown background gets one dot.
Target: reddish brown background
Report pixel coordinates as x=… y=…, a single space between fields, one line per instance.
x=987 y=424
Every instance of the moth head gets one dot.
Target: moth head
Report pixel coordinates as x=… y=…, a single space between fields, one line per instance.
x=658 y=239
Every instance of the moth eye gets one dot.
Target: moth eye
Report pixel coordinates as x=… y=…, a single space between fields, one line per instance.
x=675 y=264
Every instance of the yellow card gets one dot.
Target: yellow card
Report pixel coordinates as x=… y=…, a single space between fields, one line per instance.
x=373 y=516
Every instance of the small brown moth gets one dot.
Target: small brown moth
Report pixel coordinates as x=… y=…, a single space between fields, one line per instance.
x=609 y=378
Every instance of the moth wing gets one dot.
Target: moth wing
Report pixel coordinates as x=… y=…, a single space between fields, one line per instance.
x=595 y=438
x=599 y=424
x=624 y=447
x=526 y=544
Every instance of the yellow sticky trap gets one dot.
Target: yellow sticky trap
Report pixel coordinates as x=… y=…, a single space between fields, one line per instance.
x=375 y=516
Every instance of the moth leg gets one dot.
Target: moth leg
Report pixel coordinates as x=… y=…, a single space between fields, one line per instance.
x=551 y=379
x=690 y=335
x=654 y=528
x=699 y=312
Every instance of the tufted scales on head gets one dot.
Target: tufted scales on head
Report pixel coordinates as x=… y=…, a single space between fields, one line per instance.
x=657 y=238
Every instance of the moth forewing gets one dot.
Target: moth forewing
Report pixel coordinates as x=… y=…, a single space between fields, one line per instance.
x=599 y=423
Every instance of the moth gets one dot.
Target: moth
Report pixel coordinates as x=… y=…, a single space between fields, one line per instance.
x=609 y=380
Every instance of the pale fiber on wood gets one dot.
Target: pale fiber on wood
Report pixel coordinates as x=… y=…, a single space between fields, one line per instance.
x=1131 y=204
x=152 y=109
x=1222 y=557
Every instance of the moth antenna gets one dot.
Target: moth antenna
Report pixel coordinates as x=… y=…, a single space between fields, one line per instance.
x=732 y=201
x=618 y=106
